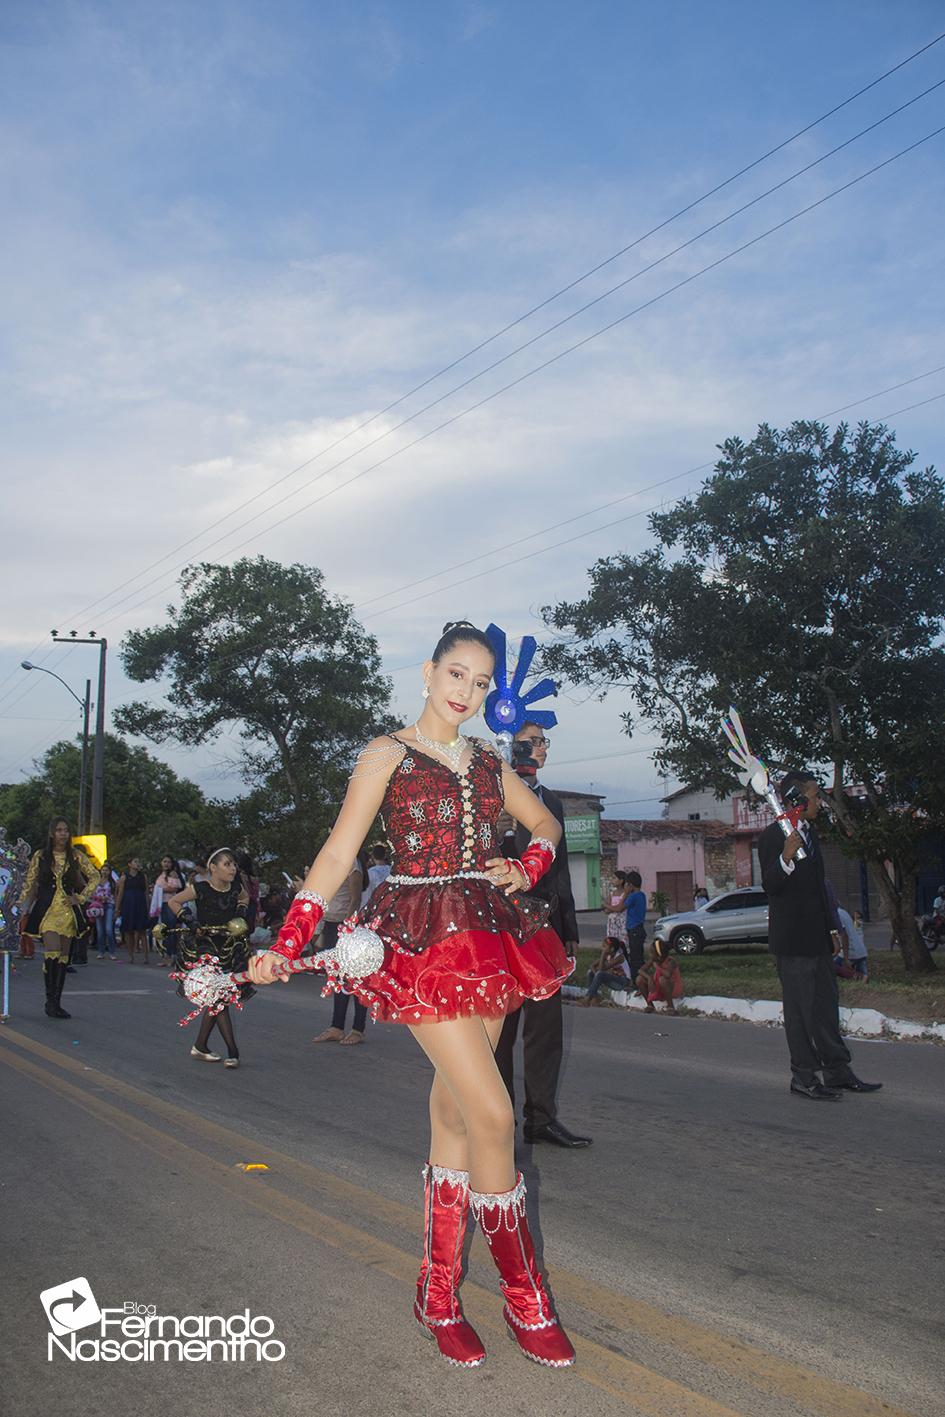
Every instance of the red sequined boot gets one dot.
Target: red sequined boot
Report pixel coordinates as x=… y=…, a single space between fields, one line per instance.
x=528 y=1310
x=437 y=1307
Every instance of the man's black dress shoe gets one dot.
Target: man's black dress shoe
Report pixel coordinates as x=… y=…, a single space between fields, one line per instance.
x=855 y=1084
x=556 y=1134
x=815 y=1091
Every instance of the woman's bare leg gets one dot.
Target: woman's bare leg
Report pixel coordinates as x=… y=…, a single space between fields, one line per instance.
x=448 y=1145
x=472 y=1124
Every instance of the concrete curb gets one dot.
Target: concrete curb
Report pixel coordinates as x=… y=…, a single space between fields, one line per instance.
x=857 y=1023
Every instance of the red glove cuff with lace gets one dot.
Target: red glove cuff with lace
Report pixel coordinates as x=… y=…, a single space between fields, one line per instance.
x=300 y=924
x=535 y=860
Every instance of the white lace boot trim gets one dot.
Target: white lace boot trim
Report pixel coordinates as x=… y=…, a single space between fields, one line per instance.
x=510 y=1205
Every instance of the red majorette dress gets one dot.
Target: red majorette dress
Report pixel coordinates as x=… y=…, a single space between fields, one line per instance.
x=454 y=943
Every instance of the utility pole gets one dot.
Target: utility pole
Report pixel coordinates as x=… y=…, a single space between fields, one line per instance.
x=83 y=781
x=97 y=823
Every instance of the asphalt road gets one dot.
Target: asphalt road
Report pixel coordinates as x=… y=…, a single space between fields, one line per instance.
x=723 y=1248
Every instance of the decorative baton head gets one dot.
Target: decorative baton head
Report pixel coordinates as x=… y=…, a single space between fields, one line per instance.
x=358 y=953
x=207 y=986
x=751 y=770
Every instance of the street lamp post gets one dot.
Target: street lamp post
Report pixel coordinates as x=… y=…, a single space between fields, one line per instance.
x=98 y=756
x=85 y=705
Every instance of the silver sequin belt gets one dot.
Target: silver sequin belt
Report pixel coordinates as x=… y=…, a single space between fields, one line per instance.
x=436 y=880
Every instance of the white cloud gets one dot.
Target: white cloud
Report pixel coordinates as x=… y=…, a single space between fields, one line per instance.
x=171 y=365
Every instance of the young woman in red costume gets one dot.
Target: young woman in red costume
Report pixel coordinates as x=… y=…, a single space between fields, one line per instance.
x=462 y=948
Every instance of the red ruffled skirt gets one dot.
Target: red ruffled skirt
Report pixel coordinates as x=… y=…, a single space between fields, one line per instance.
x=486 y=953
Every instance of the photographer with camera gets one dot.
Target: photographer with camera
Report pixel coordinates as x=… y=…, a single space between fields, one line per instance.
x=800 y=936
x=542 y=1032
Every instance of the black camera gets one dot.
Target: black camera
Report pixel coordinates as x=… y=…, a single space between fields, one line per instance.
x=792 y=796
x=522 y=760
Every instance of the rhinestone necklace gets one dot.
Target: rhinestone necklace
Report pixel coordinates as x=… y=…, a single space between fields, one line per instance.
x=452 y=752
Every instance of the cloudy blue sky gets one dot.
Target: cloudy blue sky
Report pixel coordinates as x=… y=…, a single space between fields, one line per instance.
x=234 y=232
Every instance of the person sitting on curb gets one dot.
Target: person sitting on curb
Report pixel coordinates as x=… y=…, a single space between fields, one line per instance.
x=854 y=949
x=612 y=972
x=660 y=978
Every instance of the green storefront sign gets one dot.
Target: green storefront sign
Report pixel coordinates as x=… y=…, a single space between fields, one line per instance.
x=583 y=834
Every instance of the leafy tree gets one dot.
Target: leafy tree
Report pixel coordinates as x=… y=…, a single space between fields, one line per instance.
x=265 y=646
x=804 y=583
x=149 y=810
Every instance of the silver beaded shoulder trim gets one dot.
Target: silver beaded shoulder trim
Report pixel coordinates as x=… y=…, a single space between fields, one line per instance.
x=376 y=759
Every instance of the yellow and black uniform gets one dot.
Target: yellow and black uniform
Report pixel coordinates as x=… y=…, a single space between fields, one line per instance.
x=53 y=917
x=52 y=912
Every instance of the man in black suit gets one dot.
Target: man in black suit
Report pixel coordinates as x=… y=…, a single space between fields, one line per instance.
x=799 y=936
x=542 y=1034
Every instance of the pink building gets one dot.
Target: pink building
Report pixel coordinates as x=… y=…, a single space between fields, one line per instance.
x=675 y=856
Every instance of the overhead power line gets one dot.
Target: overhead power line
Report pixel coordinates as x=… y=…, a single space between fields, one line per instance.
x=520 y=319
x=625 y=497
x=586 y=340
x=568 y=541
x=556 y=545
x=512 y=324
x=673 y=477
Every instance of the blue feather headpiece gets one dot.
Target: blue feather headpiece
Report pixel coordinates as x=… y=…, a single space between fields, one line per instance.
x=507 y=708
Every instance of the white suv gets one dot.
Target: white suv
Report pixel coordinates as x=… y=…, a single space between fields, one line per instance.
x=737 y=917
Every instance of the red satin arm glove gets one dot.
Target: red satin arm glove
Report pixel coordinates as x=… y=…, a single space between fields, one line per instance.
x=300 y=924
x=535 y=860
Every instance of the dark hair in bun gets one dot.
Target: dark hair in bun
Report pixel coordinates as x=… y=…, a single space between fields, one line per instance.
x=460 y=632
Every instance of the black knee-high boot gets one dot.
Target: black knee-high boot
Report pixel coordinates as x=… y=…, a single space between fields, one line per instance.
x=49 y=979
x=55 y=972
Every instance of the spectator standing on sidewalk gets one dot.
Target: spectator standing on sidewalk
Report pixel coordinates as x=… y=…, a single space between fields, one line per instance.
x=378 y=870
x=635 y=915
x=170 y=882
x=131 y=907
x=344 y=903
x=101 y=911
x=616 y=909
x=250 y=885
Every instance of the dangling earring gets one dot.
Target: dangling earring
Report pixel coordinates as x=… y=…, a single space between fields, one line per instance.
x=426 y=692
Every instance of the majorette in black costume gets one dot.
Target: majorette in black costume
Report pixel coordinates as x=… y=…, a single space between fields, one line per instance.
x=219 y=936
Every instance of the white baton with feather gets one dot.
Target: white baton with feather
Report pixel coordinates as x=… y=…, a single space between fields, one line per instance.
x=753 y=773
